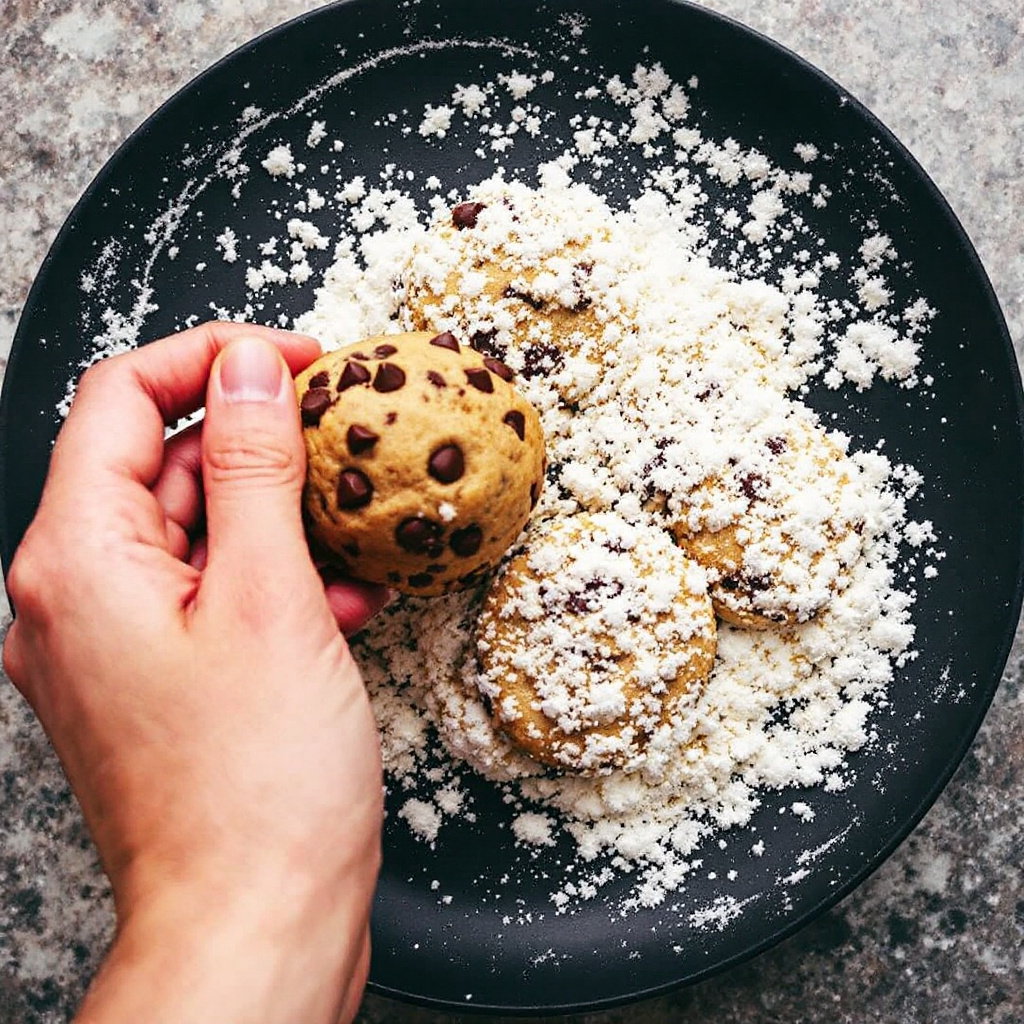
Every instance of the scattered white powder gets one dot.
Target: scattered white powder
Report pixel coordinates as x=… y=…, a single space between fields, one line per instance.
x=317 y=134
x=424 y=819
x=719 y=913
x=688 y=298
x=807 y=151
x=534 y=829
x=279 y=161
x=875 y=249
x=306 y=234
x=519 y=85
x=436 y=121
x=267 y=273
x=471 y=98
x=917 y=534
x=300 y=272
x=803 y=811
x=674 y=326
x=227 y=242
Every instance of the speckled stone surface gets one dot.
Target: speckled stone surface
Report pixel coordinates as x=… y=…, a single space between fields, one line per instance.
x=936 y=935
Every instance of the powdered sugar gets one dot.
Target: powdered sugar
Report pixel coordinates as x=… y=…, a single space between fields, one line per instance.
x=657 y=301
x=280 y=162
x=709 y=271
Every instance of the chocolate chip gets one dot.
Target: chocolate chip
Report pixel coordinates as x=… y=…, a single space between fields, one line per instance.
x=753 y=485
x=517 y=421
x=599 y=591
x=580 y=273
x=315 y=402
x=466 y=542
x=480 y=379
x=360 y=439
x=390 y=418
x=383 y=351
x=389 y=378
x=436 y=379
x=498 y=368
x=354 y=489
x=420 y=579
x=447 y=464
x=360 y=355
x=352 y=375
x=436 y=567
x=758 y=583
x=445 y=340
x=320 y=379
x=530 y=300
x=465 y=214
x=394 y=577
x=419 y=535
x=484 y=341
x=540 y=360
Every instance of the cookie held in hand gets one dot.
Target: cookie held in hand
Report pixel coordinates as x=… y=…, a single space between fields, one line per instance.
x=424 y=462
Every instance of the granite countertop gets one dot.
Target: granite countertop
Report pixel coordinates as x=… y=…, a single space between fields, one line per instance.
x=937 y=934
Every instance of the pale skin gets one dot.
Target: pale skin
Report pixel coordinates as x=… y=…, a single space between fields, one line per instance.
x=190 y=667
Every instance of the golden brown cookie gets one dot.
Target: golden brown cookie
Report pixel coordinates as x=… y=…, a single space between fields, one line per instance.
x=793 y=519
x=504 y=273
x=595 y=636
x=424 y=462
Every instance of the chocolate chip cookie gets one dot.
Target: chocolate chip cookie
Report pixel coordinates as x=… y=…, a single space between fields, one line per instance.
x=505 y=273
x=595 y=642
x=793 y=531
x=424 y=462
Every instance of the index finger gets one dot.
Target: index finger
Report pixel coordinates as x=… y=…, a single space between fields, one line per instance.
x=123 y=404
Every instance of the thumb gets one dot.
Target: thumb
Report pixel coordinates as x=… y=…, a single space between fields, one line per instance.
x=254 y=465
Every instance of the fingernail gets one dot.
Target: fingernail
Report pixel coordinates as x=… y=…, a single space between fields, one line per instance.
x=250 y=370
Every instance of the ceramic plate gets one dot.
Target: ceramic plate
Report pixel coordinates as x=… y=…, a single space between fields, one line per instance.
x=469 y=923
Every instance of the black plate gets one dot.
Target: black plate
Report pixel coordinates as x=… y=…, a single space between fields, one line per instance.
x=963 y=432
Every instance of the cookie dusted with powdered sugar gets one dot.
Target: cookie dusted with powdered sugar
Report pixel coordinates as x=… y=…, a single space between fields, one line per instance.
x=519 y=279
x=779 y=530
x=596 y=637
x=424 y=461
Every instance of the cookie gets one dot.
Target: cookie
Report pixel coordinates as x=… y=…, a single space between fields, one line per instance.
x=424 y=461
x=778 y=532
x=595 y=637
x=502 y=272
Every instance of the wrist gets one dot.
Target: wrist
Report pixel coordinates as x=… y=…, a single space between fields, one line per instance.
x=237 y=955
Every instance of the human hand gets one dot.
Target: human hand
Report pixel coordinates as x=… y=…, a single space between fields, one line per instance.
x=201 y=697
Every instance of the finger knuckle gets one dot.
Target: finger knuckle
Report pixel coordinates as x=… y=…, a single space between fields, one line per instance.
x=11 y=659
x=99 y=375
x=253 y=460
x=27 y=580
